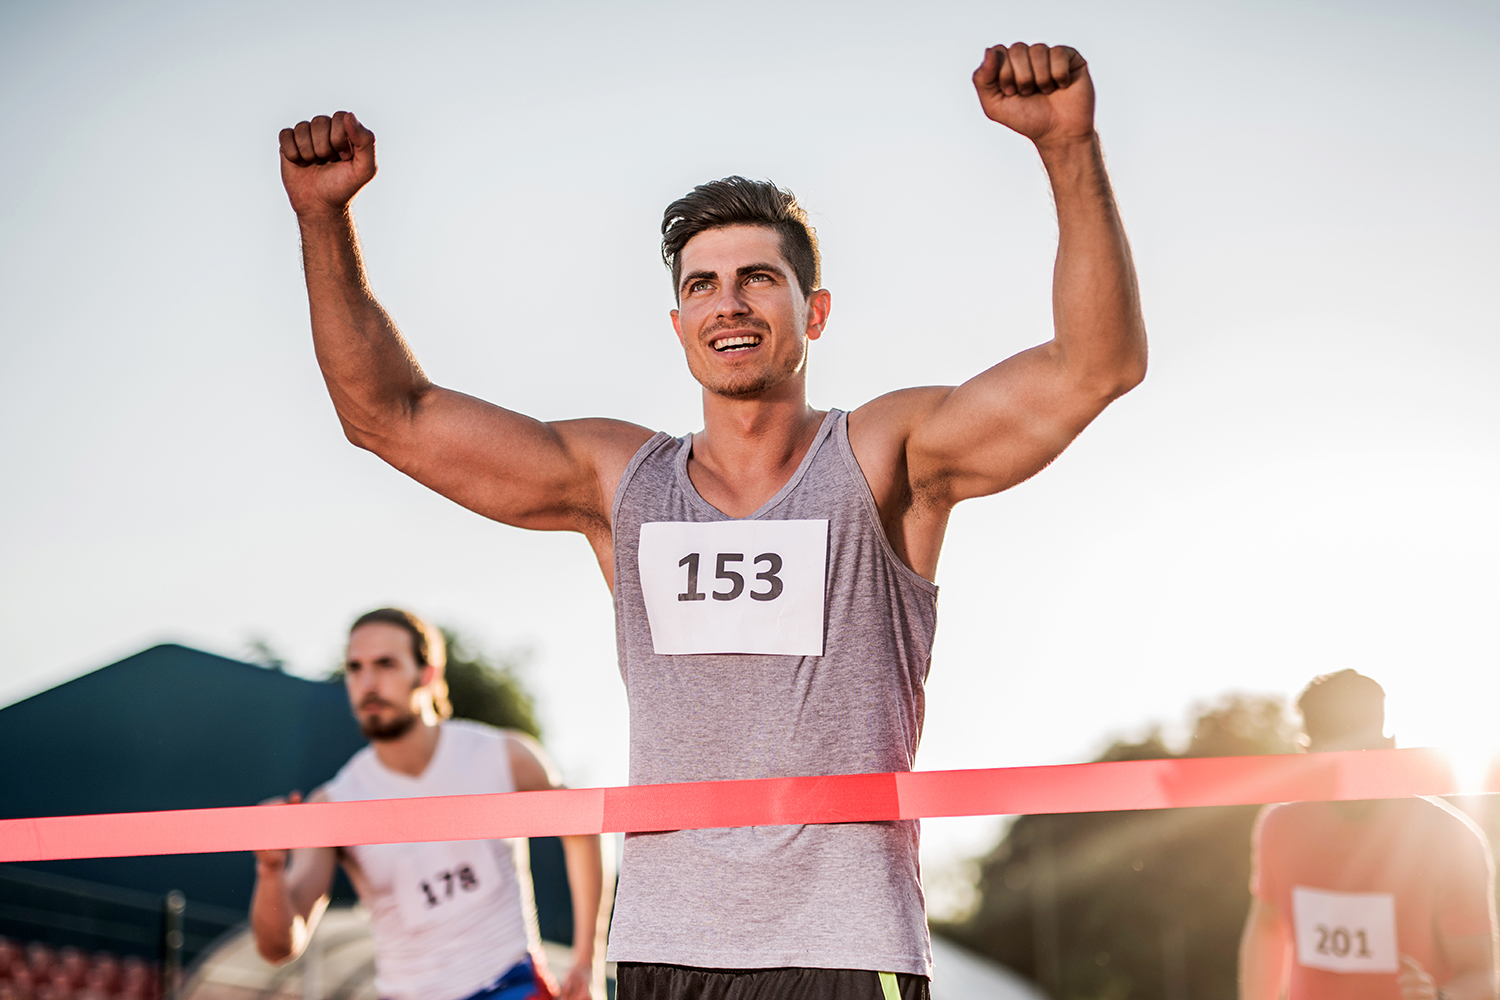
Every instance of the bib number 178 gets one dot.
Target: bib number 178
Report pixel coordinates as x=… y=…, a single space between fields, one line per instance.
x=440 y=886
x=733 y=577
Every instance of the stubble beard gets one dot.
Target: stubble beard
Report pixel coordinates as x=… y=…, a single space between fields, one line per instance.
x=749 y=388
x=377 y=731
x=750 y=385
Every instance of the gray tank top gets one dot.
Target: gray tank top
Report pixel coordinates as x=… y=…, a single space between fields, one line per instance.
x=821 y=896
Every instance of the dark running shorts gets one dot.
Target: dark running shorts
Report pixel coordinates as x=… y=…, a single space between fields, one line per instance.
x=642 y=981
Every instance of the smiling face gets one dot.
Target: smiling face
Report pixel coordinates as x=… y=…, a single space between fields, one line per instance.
x=743 y=322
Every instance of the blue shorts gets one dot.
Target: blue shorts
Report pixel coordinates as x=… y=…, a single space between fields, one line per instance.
x=519 y=982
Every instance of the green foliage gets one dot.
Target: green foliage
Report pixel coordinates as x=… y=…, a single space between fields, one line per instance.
x=1130 y=905
x=259 y=651
x=489 y=689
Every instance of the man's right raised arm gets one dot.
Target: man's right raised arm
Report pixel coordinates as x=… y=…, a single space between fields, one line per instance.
x=506 y=466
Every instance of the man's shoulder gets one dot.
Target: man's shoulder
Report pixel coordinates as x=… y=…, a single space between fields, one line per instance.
x=1446 y=821
x=1439 y=833
x=1416 y=813
x=900 y=407
x=611 y=442
x=472 y=731
x=1274 y=815
x=606 y=430
x=881 y=430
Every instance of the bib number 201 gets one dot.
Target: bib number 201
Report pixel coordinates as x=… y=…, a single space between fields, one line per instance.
x=1341 y=941
x=752 y=586
x=1344 y=931
x=733 y=577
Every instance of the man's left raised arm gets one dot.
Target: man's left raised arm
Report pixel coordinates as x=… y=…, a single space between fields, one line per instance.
x=1007 y=423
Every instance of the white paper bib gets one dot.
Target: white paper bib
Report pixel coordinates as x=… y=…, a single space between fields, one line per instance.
x=1345 y=931
x=734 y=586
x=434 y=882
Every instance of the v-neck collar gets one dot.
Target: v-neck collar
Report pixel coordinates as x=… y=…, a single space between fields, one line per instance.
x=686 y=482
x=416 y=779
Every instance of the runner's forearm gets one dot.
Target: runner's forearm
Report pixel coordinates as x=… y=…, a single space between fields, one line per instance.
x=1100 y=331
x=585 y=864
x=273 y=918
x=372 y=376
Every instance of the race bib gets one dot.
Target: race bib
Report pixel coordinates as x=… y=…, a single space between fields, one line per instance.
x=437 y=881
x=1345 y=931
x=735 y=586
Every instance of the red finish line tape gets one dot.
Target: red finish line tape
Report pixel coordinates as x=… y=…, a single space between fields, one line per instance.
x=842 y=798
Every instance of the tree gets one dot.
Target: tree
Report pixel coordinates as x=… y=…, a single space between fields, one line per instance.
x=1127 y=905
x=259 y=651
x=489 y=690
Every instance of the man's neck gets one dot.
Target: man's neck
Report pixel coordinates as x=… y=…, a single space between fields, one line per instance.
x=411 y=753
x=749 y=448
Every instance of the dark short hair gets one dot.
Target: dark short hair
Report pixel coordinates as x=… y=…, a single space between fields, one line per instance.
x=1342 y=705
x=735 y=201
x=428 y=648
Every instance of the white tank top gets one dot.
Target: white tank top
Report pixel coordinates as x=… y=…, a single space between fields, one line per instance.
x=448 y=917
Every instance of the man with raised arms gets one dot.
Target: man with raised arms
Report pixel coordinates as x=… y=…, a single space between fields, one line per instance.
x=452 y=921
x=772 y=573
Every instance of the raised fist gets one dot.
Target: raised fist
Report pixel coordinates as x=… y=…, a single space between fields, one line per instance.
x=1041 y=91
x=324 y=162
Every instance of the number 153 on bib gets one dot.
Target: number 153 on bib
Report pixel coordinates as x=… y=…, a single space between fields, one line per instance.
x=734 y=586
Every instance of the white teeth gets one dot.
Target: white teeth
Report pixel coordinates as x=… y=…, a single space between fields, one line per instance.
x=729 y=342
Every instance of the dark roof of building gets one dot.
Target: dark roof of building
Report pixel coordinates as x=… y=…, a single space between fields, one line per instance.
x=176 y=728
x=167 y=728
x=171 y=728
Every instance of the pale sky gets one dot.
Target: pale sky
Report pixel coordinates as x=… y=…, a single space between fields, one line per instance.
x=1306 y=481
